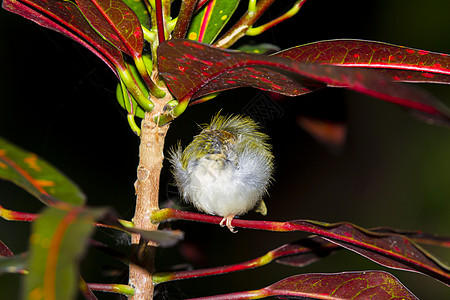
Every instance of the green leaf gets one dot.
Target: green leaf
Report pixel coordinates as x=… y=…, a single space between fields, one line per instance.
x=209 y=21
x=36 y=176
x=264 y=48
x=140 y=10
x=58 y=241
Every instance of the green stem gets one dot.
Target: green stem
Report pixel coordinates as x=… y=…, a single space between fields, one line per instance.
x=133 y=125
x=128 y=104
x=174 y=109
x=155 y=44
x=150 y=4
x=149 y=35
x=112 y=288
x=142 y=69
x=289 y=14
x=85 y=290
x=132 y=86
x=166 y=4
x=252 y=6
x=180 y=108
x=242 y=26
x=130 y=109
x=171 y=24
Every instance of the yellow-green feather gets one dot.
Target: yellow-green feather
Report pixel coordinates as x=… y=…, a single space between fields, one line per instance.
x=237 y=126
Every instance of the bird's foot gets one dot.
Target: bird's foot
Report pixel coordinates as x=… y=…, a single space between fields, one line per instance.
x=226 y=221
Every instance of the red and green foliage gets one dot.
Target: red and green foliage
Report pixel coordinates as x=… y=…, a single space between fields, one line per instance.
x=164 y=63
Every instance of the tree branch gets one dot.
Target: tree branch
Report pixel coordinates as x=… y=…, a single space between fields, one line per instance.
x=147 y=191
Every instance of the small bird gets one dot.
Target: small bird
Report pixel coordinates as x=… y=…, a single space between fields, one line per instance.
x=226 y=169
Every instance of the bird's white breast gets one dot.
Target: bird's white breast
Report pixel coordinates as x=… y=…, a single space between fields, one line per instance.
x=215 y=189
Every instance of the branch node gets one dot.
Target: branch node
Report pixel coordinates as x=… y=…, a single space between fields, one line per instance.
x=142 y=173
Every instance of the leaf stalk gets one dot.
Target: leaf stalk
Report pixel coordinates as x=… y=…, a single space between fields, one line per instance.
x=112 y=288
x=251 y=264
x=132 y=86
x=252 y=31
x=160 y=21
x=184 y=19
x=11 y=215
x=244 y=23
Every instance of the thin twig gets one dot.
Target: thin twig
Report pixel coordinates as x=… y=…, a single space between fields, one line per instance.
x=241 y=27
x=289 y=14
x=85 y=290
x=112 y=288
x=307 y=251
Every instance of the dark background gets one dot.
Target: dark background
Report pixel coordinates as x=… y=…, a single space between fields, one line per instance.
x=58 y=100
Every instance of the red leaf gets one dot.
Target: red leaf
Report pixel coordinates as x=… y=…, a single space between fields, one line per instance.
x=418 y=236
x=192 y=70
x=300 y=253
x=349 y=285
x=391 y=250
x=305 y=251
x=308 y=250
x=4 y=250
x=116 y=22
x=397 y=62
x=65 y=17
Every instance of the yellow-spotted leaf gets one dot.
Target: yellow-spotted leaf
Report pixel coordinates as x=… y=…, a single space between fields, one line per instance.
x=57 y=243
x=210 y=20
x=36 y=176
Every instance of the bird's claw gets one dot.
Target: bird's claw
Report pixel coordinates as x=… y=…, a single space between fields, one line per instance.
x=226 y=221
